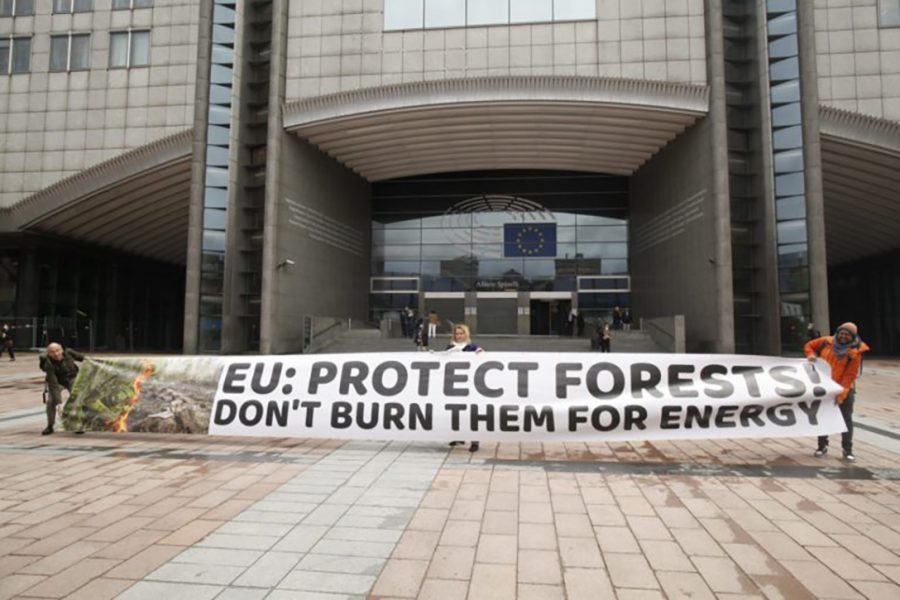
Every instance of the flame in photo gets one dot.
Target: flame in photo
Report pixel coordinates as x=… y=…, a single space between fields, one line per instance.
x=121 y=423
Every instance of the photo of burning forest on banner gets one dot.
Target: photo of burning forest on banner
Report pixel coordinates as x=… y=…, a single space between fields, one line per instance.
x=160 y=395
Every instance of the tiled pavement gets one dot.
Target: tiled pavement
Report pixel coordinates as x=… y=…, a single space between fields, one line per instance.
x=165 y=516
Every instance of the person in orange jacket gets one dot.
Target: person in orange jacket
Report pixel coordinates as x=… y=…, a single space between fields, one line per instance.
x=843 y=352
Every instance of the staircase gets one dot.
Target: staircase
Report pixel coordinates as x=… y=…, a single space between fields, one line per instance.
x=370 y=340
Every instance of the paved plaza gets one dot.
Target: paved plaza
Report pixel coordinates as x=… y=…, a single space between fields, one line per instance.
x=175 y=516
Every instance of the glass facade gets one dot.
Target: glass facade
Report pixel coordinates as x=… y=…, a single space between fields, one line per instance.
x=419 y=14
x=215 y=193
x=788 y=164
x=472 y=252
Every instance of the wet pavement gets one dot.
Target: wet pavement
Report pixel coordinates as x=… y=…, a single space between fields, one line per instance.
x=148 y=516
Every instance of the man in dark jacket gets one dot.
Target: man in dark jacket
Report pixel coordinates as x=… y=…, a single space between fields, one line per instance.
x=60 y=369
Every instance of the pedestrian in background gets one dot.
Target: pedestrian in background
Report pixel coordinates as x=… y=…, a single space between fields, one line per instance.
x=843 y=351
x=8 y=341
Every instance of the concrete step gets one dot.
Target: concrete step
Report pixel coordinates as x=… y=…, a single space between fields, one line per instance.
x=623 y=341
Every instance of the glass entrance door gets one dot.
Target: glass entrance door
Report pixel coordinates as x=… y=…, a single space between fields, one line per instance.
x=549 y=317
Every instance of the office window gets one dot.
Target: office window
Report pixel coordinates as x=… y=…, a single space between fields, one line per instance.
x=13 y=8
x=128 y=4
x=485 y=12
x=71 y=6
x=418 y=14
x=70 y=52
x=530 y=11
x=889 y=13
x=15 y=55
x=129 y=49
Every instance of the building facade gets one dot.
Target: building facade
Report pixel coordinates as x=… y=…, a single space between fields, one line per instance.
x=207 y=176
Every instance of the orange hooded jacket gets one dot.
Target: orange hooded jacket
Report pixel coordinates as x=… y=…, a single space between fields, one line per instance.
x=843 y=370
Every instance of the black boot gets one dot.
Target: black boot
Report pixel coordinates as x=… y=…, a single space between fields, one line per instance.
x=473 y=447
x=47 y=431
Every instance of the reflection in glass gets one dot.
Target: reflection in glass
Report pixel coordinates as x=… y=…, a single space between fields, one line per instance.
x=214 y=218
x=787 y=161
x=210 y=305
x=545 y=269
x=564 y=10
x=783 y=25
x=216 y=177
x=219 y=94
x=782 y=70
x=403 y=14
x=219 y=115
x=222 y=55
x=216 y=156
x=410 y=252
x=602 y=234
x=611 y=250
x=445 y=13
x=782 y=47
x=223 y=35
x=791 y=232
x=219 y=74
x=789 y=137
x=792 y=207
x=793 y=279
x=530 y=11
x=215 y=198
x=509 y=268
x=217 y=134
x=780 y=6
x=791 y=255
x=214 y=241
x=789 y=91
x=788 y=114
x=212 y=262
x=484 y=12
x=210 y=283
x=397 y=236
x=790 y=184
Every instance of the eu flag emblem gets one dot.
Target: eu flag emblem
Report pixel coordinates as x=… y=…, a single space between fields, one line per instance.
x=532 y=239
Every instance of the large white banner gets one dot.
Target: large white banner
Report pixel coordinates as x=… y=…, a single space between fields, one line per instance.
x=538 y=396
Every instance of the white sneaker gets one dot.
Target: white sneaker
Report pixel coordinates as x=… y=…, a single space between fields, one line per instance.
x=848 y=456
x=820 y=452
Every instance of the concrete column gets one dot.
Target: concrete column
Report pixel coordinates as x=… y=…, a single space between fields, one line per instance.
x=274 y=150
x=812 y=157
x=198 y=161
x=470 y=310
x=718 y=173
x=524 y=310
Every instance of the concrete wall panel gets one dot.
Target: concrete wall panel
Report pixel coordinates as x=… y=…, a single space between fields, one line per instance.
x=323 y=226
x=672 y=247
x=858 y=58
x=341 y=46
x=56 y=124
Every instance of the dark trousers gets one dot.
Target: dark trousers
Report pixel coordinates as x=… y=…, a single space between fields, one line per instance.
x=847 y=413
x=54 y=399
x=11 y=349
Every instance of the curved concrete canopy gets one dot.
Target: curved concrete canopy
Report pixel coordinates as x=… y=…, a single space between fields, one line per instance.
x=861 y=181
x=569 y=123
x=136 y=202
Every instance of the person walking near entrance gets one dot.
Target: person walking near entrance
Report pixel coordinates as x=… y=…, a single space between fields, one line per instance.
x=462 y=342
x=843 y=351
x=626 y=319
x=433 y=321
x=60 y=369
x=605 y=336
x=7 y=341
